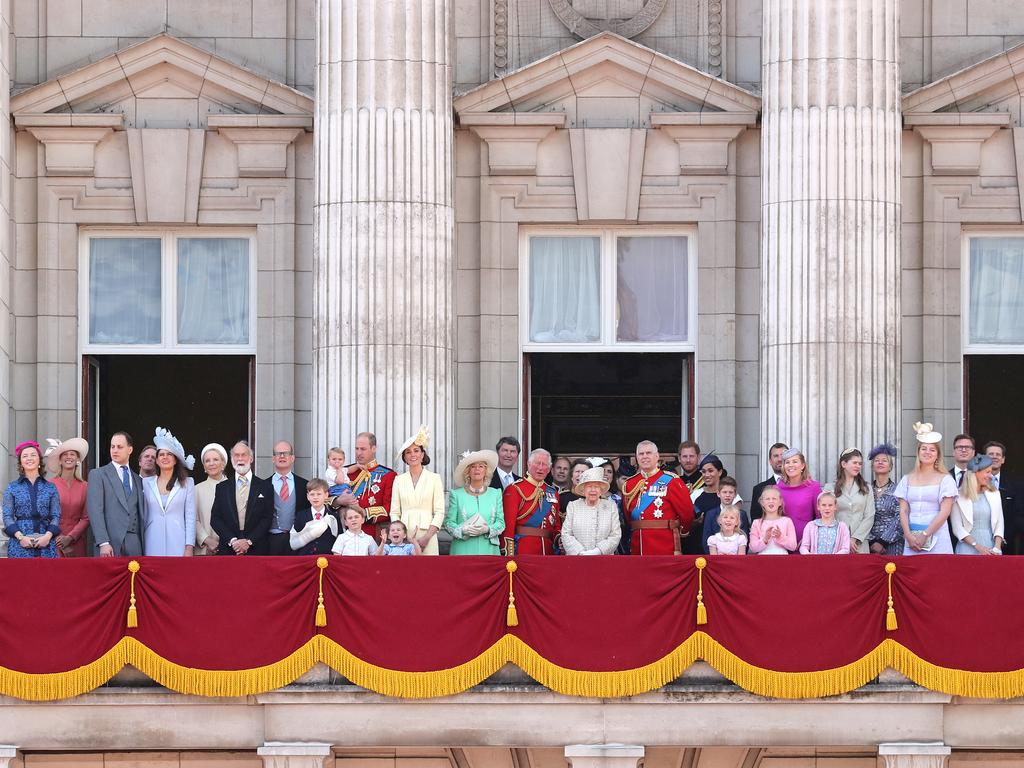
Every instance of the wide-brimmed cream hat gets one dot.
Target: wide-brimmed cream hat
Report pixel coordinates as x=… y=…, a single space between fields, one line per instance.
x=925 y=433
x=421 y=438
x=468 y=459
x=57 y=447
x=595 y=475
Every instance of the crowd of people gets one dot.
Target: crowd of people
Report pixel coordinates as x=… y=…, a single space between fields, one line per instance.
x=569 y=506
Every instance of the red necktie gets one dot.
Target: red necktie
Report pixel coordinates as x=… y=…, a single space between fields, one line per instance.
x=318 y=515
x=284 y=488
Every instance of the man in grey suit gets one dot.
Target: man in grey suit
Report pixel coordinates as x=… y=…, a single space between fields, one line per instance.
x=114 y=501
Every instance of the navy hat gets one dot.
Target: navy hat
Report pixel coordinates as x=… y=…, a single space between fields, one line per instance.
x=979 y=462
x=713 y=460
x=878 y=450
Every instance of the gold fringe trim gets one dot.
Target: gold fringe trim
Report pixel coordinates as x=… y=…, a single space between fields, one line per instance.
x=510 y=649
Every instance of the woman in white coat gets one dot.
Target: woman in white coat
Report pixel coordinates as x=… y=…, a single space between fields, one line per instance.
x=170 y=500
x=591 y=525
x=977 y=515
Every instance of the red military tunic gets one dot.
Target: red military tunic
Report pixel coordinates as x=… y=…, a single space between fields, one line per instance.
x=372 y=489
x=658 y=511
x=532 y=522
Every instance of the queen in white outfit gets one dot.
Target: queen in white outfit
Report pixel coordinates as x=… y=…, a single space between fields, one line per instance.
x=591 y=525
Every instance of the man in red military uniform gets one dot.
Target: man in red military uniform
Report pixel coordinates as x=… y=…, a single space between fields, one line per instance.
x=532 y=522
x=658 y=506
x=371 y=486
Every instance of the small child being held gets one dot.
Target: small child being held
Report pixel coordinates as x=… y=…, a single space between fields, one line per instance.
x=394 y=540
x=335 y=475
x=353 y=541
x=730 y=539
x=826 y=535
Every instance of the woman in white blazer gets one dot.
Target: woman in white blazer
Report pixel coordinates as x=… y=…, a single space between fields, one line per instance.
x=977 y=516
x=170 y=500
x=591 y=525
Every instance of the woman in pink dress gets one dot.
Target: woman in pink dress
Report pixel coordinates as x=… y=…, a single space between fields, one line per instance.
x=799 y=490
x=64 y=462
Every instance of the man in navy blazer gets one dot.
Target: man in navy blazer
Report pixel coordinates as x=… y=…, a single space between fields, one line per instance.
x=244 y=527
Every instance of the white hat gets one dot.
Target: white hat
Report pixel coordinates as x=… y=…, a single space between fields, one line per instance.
x=468 y=459
x=52 y=455
x=421 y=438
x=595 y=475
x=925 y=433
x=220 y=449
x=164 y=440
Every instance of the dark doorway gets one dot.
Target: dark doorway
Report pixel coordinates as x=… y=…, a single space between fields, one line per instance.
x=605 y=403
x=200 y=398
x=992 y=385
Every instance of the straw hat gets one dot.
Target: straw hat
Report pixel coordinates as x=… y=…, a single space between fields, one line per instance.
x=52 y=456
x=468 y=459
x=595 y=475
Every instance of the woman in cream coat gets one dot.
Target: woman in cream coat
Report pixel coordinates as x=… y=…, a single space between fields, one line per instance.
x=417 y=497
x=215 y=459
x=591 y=525
x=854 y=500
x=977 y=515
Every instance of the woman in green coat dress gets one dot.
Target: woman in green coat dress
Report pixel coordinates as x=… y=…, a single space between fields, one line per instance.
x=475 y=516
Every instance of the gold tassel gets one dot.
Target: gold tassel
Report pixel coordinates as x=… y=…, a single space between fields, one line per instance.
x=133 y=614
x=321 y=612
x=890 y=613
x=511 y=617
x=702 y=612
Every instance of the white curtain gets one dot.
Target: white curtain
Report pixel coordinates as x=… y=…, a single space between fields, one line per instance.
x=997 y=290
x=213 y=290
x=124 y=290
x=652 y=289
x=565 y=289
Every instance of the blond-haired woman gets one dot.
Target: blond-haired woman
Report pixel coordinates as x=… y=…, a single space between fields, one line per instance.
x=926 y=497
x=475 y=517
x=977 y=516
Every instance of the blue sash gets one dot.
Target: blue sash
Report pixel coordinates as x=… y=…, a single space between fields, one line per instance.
x=374 y=477
x=647 y=498
x=548 y=496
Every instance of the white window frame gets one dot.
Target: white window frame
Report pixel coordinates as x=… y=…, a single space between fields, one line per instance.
x=168 y=291
x=967 y=348
x=608 y=237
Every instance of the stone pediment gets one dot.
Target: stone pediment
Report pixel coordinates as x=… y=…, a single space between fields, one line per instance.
x=993 y=85
x=608 y=81
x=150 y=84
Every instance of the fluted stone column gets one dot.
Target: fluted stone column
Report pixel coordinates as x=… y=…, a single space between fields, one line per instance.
x=915 y=754
x=383 y=319
x=830 y=226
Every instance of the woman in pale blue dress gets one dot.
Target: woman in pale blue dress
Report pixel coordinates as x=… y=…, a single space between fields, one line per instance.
x=926 y=498
x=170 y=497
x=977 y=517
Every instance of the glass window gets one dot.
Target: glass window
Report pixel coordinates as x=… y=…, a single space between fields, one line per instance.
x=213 y=290
x=124 y=290
x=565 y=289
x=652 y=289
x=996 y=290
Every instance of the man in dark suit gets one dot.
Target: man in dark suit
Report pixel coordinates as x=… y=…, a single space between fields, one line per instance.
x=508 y=449
x=963 y=451
x=775 y=461
x=114 y=502
x=1009 y=494
x=243 y=508
x=289 y=498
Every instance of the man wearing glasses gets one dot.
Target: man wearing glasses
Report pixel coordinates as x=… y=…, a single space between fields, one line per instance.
x=963 y=451
x=289 y=497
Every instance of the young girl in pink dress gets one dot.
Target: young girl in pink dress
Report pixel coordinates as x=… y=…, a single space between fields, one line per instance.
x=772 y=533
x=730 y=539
x=826 y=535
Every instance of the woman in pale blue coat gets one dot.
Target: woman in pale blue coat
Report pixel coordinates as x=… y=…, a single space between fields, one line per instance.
x=170 y=500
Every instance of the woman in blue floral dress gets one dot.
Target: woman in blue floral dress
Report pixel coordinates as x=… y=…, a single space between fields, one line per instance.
x=31 y=507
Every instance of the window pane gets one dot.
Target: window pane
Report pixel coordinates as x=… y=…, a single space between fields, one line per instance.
x=213 y=290
x=124 y=290
x=565 y=289
x=997 y=290
x=652 y=295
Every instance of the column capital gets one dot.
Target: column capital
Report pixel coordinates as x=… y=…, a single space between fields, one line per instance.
x=926 y=754
x=604 y=755
x=9 y=756
x=293 y=754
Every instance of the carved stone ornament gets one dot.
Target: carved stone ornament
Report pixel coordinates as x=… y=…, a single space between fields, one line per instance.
x=586 y=18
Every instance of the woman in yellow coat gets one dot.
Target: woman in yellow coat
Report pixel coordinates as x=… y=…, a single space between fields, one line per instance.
x=417 y=497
